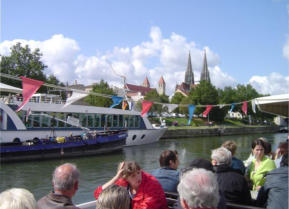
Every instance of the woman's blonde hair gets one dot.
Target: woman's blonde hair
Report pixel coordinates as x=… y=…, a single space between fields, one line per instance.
x=113 y=197
x=129 y=168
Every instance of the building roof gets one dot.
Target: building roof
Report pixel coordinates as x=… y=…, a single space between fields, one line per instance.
x=205 y=75
x=162 y=81
x=146 y=82
x=134 y=88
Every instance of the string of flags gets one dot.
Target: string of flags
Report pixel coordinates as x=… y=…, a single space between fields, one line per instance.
x=30 y=86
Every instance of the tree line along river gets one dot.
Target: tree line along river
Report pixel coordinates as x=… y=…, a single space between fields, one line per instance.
x=94 y=171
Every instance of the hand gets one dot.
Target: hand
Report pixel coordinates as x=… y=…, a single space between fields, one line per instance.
x=120 y=170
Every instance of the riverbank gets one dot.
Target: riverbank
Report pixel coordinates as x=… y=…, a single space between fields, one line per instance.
x=188 y=132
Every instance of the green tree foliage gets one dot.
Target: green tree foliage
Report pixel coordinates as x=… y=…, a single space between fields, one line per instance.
x=103 y=88
x=22 y=62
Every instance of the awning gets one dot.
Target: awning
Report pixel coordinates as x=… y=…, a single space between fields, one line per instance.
x=276 y=104
x=7 y=88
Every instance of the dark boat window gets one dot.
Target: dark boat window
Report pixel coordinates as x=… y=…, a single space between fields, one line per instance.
x=134 y=136
x=125 y=121
x=131 y=121
x=36 y=120
x=45 y=120
x=103 y=121
x=109 y=120
x=83 y=119
x=115 y=121
x=137 y=121
x=121 y=121
x=96 y=120
x=61 y=117
x=143 y=136
x=90 y=120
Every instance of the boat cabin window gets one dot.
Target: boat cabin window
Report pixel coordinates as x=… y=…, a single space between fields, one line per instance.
x=115 y=121
x=97 y=120
x=121 y=121
x=109 y=120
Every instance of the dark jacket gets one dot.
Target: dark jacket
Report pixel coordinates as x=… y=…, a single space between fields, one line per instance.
x=238 y=165
x=168 y=178
x=274 y=193
x=55 y=201
x=233 y=185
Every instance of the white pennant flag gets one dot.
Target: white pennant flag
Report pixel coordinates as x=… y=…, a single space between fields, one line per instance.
x=74 y=97
x=170 y=107
x=253 y=105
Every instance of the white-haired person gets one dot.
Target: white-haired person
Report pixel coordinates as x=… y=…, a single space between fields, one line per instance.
x=232 y=184
x=198 y=189
x=17 y=198
x=113 y=197
x=65 y=184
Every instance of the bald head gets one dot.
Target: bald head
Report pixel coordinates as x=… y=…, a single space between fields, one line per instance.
x=65 y=176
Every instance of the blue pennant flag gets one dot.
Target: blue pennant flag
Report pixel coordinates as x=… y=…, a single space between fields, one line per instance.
x=232 y=107
x=116 y=101
x=191 y=112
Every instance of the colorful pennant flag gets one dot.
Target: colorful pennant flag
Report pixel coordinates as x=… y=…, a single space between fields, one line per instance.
x=245 y=107
x=208 y=109
x=74 y=97
x=29 y=87
x=191 y=112
x=124 y=104
x=232 y=107
x=146 y=105
x=116 y=101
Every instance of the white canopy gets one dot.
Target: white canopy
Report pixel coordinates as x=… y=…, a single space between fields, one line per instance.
x=276 y=104
x=7 y=88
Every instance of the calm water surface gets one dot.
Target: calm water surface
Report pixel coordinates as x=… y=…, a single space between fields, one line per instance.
x=36 y=176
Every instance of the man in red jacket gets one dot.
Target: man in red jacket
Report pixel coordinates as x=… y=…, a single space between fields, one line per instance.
x=144 y=190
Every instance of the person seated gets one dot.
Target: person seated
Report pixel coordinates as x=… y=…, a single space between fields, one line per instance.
x=198 y=189
x=281 y=150
x=237 y=164
x=274 y=193
x=167 y=175
x=144 y=189
x=65 y=184
x=17 y=198
x=260 y=166
x=113 y=197
x=207 y=165
x=232 y=184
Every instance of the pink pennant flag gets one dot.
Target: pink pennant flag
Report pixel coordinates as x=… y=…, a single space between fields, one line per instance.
x=29 y=87
x=146 y=105
x=245 y=107
x=208 y=109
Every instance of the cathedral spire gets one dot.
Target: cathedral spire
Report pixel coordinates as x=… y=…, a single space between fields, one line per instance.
x=189 y=75
x=205 y=75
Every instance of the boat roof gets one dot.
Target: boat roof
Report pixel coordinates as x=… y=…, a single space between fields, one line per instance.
x=7 y=88
x=275 y=104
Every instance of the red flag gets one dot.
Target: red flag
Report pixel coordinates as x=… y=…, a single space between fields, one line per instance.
x=29 y=87
x=245 y=107
x=146 y=105
x=208 y=109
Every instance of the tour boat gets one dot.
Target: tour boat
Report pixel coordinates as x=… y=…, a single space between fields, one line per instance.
x=44 y=118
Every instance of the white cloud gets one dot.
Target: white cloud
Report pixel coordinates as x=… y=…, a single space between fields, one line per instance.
x=273 y=84
x=156 y=57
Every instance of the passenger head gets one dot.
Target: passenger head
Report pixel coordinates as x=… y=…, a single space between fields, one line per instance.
x=169 y=158
x=258 y=148
x=284 y=160
x=283 y=146
x=202 y=163
x=65 y=178
x=132 y=173
x=113 y=197
x=17 y=198
x=231 y=146
x=221 y=156
x=198 y=188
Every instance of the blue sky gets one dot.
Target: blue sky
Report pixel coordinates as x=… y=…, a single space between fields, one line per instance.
x=246 y=40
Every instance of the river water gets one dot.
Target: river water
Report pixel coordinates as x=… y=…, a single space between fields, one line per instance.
x=36 y=176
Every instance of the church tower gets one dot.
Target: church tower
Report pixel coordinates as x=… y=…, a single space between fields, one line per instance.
x=162 y=86
x=146 y=82
x=189 y=75
x=205 y=75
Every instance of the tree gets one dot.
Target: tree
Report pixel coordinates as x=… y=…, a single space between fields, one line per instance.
x=177 y=99
x=153 y=96
x=103 y=88
x=22 y=62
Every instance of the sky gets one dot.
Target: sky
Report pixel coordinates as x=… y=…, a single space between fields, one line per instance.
x=246 y=41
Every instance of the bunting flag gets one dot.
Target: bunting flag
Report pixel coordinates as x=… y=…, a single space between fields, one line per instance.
x=221 y=106
x=29 y=87
x=74 y=97
x=146 y=105
x=28 y=112
x=171 y=107
x=253 y=105
x=208 y=109
x=191 y=112
x=232 y=107
x=130 y=104
x=116 y=101
x=245 y=107
x=124 y=104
